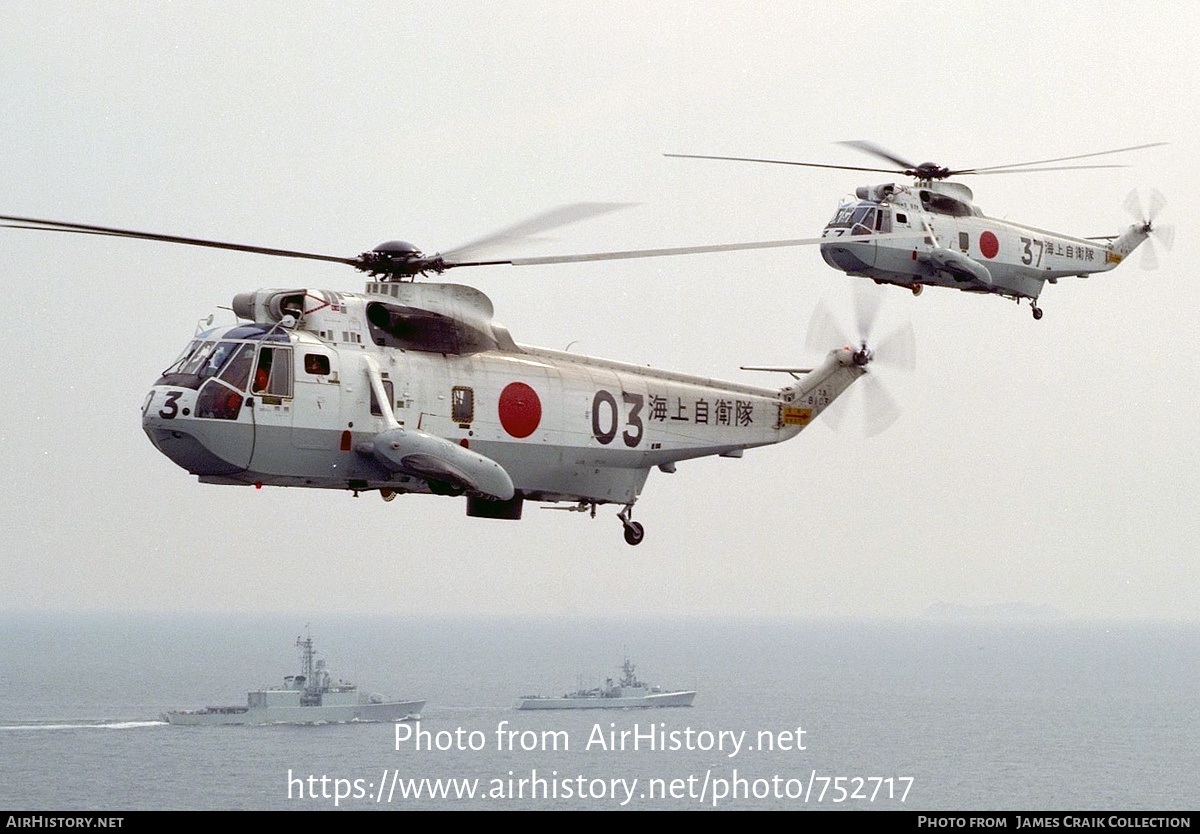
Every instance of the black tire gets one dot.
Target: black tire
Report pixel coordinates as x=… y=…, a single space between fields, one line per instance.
x=634 y=532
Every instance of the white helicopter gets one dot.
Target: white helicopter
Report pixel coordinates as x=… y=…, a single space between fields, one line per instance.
x=412 y=387
x=931 y=233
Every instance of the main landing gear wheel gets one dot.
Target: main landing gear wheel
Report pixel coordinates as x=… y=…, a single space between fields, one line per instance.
x=634 y=532
x=916 y=288
x=1037 y=313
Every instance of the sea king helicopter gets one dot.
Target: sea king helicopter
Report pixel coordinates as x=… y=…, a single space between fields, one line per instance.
x=412 y=387
x=931 y=233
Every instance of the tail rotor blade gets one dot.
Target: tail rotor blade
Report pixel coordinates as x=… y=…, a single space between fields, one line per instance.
x=1149 y=256
x=1133 y=205
x=879 y=407
x=866 y=309
x=824 y=334
x=1165 y=234
x=1157 y=203
x=898 y=349
x=871 y=404
x=835 y=413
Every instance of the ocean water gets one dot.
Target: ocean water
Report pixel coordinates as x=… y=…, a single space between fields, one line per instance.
x=916 y=715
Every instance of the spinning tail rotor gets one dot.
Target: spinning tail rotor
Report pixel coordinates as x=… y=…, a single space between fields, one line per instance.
x=897 y=351
x=1164 y=233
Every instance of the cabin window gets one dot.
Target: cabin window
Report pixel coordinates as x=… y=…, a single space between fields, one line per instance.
x=462 y=404
x=964 y=241
x=387 y=389
x=274 y=372
x=316 y=364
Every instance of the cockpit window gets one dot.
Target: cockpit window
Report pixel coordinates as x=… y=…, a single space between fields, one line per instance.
x=844 y=217
x=197 y=359
x=188 y=351
x=212 y=365
x=229 y=360
x=862 y=218
x=237 y=371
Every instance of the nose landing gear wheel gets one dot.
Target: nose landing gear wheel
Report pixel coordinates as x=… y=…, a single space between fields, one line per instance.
x=1037 y=313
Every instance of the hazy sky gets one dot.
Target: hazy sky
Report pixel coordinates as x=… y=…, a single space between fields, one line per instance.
x=1048 y=463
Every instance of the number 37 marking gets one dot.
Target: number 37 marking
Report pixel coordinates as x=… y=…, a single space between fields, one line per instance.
x=1027 y=254
x=604 y=418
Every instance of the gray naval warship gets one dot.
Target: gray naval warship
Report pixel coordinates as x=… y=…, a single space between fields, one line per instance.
x=627 y=692
x=308 y=698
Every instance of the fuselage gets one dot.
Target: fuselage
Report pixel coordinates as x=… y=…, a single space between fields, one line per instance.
x=932 y=234
x=292 y=402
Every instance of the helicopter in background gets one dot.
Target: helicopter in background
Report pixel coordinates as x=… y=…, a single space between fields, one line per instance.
x=413 y=388
x=931 y=233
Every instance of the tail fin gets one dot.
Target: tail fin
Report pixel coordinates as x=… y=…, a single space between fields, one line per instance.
x=1127 y=241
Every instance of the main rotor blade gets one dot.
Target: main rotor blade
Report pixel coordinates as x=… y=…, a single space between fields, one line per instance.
x=906 y=167
x=875 y=150
x=553 y=219
x=782 y=162
x=1035 y=170
x=81 y=228
x=1059 y=159
x=680 y=250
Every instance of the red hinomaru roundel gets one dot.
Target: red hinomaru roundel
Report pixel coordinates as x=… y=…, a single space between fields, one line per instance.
x=520 y=409
x=988 y=245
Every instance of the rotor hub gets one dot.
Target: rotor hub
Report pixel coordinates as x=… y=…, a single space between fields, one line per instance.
x=929 y=171
x=398 y=259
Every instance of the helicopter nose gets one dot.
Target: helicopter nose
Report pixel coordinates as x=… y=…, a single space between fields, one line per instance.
x=168 y=418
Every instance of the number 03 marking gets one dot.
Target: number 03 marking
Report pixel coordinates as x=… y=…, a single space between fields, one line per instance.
x=604 y=418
